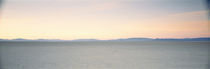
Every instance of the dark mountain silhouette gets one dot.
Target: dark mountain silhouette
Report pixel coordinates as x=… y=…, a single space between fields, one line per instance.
x=125 y=39
x=86 y=40
x=185 y=39
x=132 y=39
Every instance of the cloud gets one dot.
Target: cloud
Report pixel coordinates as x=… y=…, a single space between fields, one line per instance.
x=1 y=2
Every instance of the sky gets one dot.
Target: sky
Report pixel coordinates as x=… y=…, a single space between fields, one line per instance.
x=103 y=19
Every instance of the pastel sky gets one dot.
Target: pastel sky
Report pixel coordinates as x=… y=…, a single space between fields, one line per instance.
x=103 y=19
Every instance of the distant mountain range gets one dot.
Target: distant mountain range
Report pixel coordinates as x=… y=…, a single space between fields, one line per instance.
x=126 y=39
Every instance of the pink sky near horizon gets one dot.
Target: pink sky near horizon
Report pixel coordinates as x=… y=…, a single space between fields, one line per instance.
x=100 y=20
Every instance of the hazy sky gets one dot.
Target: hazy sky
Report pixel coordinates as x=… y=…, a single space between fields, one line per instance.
x=103 y=19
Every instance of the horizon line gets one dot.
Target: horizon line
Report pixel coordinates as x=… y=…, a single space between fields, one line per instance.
x=101 y=39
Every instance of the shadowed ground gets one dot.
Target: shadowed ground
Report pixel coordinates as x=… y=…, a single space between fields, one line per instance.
x=104 y=55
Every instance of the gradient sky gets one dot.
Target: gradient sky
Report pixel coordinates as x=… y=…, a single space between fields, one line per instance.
x=103 y=19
